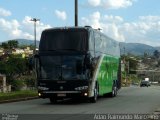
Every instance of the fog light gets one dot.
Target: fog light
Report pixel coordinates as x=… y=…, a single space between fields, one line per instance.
x=85 y=94
x=39 y=94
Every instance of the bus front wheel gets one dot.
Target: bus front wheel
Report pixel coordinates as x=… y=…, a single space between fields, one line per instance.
x=94 y=98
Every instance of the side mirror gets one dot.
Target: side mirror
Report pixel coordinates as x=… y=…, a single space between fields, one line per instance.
x=36 y=60
x=32 y=61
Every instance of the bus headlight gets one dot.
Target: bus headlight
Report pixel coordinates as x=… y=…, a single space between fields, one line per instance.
x=85 y=94
x=39 y=94
x=81 y=88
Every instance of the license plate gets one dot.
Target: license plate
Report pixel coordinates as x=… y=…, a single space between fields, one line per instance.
x=61 y=95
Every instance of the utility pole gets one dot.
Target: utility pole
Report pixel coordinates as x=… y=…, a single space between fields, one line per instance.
x=76 y=13
x=35 y=21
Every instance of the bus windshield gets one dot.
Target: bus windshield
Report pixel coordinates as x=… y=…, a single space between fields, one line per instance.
x=63 y=40
x=61 y=67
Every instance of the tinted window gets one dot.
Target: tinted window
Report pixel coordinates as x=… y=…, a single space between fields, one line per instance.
x=63 y=40
x=61 y=67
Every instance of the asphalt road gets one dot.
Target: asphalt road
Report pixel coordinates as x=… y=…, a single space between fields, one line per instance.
x=130 y=100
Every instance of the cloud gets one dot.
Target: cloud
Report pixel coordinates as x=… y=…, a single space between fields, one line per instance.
x=27 y=25
x=145 y=29
x=111 y=18
x=23 y=29
x=93 y=20
x=4 y=12
x=11 y=27
x=106 y=23
x=112 y=30
x=94 y=3
x=61 y=14
x=116 y=4
x=149 y=18
x=111 y=4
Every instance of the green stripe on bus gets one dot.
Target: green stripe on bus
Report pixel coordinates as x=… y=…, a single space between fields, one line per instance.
x=107 y=74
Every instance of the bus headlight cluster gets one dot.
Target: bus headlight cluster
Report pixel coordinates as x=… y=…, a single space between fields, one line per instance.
x=39 y=94
x=42 y=88
x=81 y=88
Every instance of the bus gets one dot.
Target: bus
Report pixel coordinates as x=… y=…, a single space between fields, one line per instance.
x=77 y=62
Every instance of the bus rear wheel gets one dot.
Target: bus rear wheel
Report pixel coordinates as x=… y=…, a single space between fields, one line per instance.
x=114 y=91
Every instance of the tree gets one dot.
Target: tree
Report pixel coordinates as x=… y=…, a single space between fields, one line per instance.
x=4 y=45
x=13 y=44
x=156 y=54
x=10 y=44
x=24 y=46
x=14 y=67
x=158 y=64
x=132 y=66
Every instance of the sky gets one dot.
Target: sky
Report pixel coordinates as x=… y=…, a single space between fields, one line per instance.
x=130 y=21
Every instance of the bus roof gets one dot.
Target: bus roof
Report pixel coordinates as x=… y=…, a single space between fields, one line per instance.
x=57 y=38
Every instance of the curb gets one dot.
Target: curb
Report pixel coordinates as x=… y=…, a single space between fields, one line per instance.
x=155 y=115
x=157 y=112
x=17 y=100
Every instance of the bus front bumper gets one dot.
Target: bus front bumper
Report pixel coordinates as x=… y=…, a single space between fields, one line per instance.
x=62 y=94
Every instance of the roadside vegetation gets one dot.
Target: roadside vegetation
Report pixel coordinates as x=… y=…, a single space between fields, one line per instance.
x=17 y=95
x=137 y=68
x=18 y=71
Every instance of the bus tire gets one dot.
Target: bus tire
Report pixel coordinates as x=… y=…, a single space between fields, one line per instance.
x=114 y=91
x=53 y=100
x=95 y=97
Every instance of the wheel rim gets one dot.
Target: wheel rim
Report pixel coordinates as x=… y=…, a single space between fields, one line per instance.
x=114 y=91
x=95 y=94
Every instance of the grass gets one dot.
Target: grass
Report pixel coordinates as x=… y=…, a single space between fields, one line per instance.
x=17 y=95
